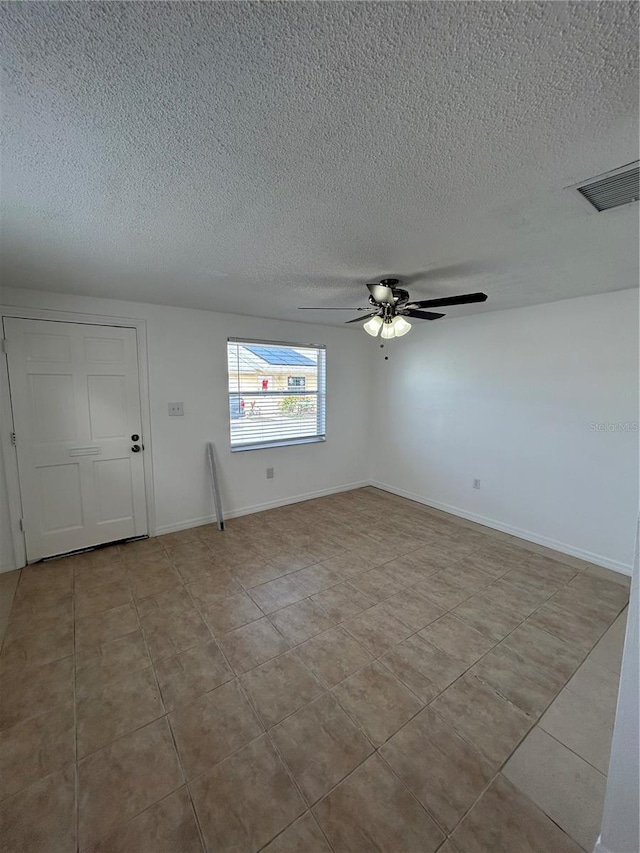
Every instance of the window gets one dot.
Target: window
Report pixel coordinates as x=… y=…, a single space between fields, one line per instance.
x=277 y=393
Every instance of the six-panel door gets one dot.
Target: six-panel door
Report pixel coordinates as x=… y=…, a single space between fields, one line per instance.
x=76 y=404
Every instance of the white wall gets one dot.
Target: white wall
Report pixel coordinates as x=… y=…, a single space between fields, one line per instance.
x=621 y=818
x=187 y=362
x=508 y=397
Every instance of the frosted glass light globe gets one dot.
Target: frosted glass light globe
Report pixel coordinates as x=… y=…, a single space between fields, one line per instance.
x=372 y=326
x=400 y=326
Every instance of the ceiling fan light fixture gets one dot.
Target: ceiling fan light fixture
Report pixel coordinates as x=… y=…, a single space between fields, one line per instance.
x=393 y=304
x=372 y=326
x=400 y=326
x=388 y=331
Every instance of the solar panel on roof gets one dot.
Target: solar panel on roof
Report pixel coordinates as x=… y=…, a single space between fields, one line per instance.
x=279 y=355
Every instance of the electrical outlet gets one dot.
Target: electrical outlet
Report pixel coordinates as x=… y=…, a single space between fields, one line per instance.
x=269 y=473
x=176 y=410
x=476 y=483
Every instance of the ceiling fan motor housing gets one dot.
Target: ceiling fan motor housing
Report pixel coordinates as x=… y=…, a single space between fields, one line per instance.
x=400 y=296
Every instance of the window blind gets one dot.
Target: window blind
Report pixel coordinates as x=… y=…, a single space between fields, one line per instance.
x=277 y=393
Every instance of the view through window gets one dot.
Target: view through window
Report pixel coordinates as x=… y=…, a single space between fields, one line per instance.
x=277 y=393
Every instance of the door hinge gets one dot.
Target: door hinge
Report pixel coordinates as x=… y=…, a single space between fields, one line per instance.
x=3 y=345
x=22 y=525
x=13 y=439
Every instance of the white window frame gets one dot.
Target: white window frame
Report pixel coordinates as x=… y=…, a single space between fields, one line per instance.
x=321 y=396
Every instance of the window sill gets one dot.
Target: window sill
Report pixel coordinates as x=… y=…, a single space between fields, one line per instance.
x=268 y=445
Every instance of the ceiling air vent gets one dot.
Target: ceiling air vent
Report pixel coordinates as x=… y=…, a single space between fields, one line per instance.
x=621 y=187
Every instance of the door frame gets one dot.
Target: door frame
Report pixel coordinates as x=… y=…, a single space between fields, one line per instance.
x=6 y=414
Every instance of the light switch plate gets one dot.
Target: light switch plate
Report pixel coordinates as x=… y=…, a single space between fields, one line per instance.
x=176 y=410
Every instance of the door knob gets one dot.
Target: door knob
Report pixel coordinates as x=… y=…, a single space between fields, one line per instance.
x=136 y=448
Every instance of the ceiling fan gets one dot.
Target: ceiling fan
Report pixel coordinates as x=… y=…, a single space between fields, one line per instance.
x=393 y=304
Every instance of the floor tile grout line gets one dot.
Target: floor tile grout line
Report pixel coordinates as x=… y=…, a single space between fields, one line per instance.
x=392 y=646
x=321 y=828
x=466 y=671
x=406 y=588
x=165 y=716
x=148 y=808
x=323 y=689
x=120 y=737
x=359 y=725
x=10 y=608
x=266 y=731
x=522 y=793
x=214 y=637
x=196 y=816
x=504 y=763
x=385 y=599
x=374 y=658
x=288 y=770
x=150 y=666
x=431 y=815
x=466 y=524
x=461 y=559
x=376 y=749
x=204 y=773
x=496 y=773
x=289 y=825
x=534 y=724
x=310 y=806
x=19 y=668
x=577 y=754
x=379 y=755
x=236 y=679
x=249 y=700
x=48 y=775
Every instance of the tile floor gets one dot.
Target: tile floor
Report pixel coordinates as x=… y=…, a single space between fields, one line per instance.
x=306 y=682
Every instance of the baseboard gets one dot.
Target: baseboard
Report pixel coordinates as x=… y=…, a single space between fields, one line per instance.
x=600 y=848
x=6 y=567
x=248 y=510
x=529 y=536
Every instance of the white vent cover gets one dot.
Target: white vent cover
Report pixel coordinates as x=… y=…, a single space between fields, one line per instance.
x=621 y=187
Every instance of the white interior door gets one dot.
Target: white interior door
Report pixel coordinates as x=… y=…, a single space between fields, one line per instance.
x=76 y=408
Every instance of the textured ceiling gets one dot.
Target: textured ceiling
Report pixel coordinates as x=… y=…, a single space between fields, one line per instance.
x=253 y=157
